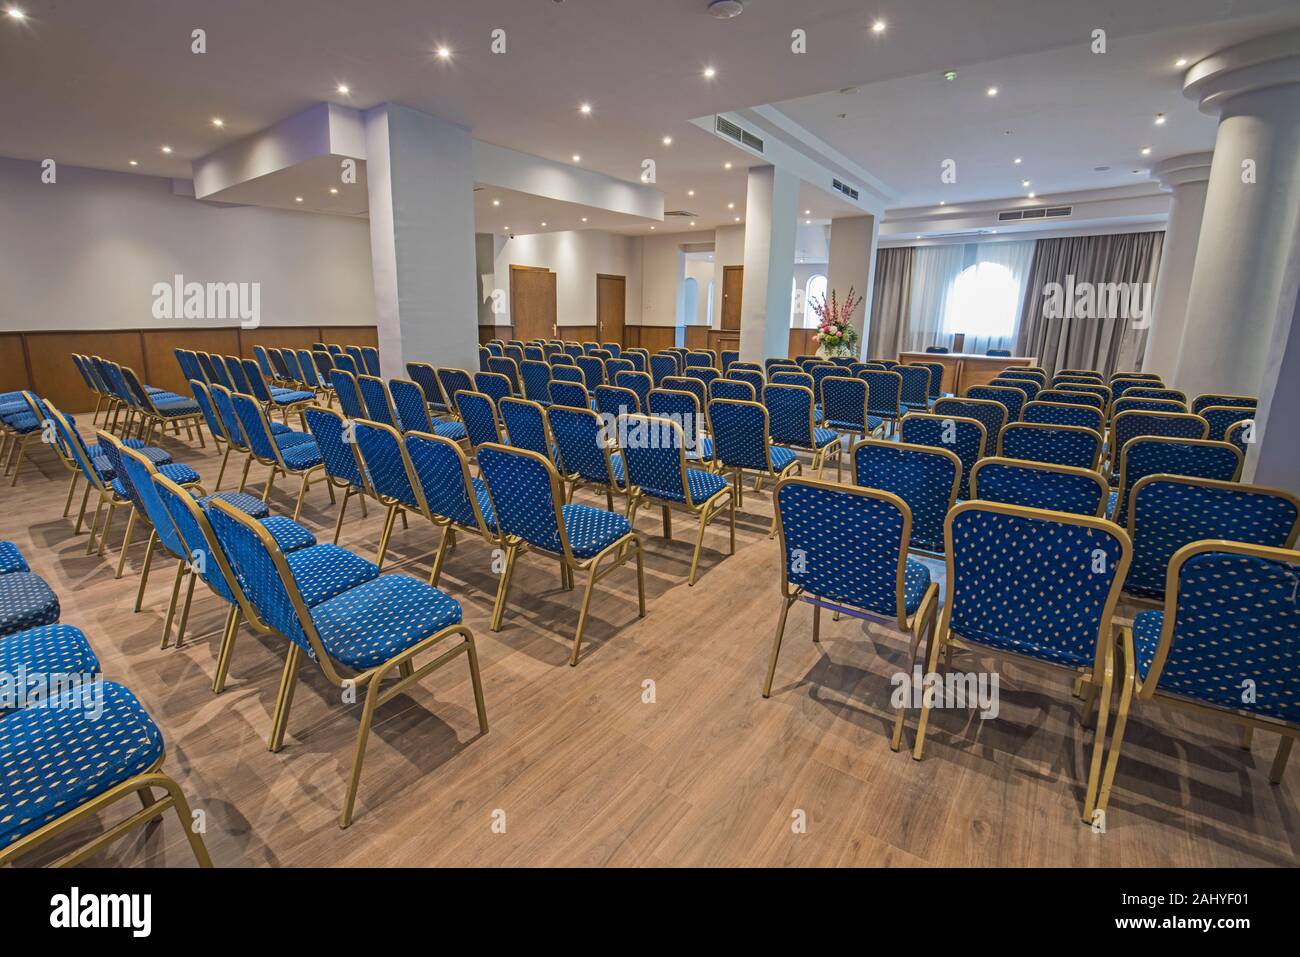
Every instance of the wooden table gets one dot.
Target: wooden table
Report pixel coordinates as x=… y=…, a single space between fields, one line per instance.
x=961 y=370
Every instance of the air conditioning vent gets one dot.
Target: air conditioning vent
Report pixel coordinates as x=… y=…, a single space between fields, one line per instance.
x=1011 y=215
x=844 y=188
x=1054 y=211
x=1037 y=212
x=737 y=133
x=679 y=212
x=1034 y=214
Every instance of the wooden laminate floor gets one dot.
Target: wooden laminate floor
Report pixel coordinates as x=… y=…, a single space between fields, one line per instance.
x=657 y=749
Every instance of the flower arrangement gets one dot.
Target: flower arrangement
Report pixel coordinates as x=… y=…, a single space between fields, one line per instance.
x=835 y=332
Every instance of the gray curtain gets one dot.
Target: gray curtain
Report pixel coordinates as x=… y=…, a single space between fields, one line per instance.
x=1078 y=343
x=891 y=302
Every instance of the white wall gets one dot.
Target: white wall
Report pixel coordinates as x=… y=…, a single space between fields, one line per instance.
x=86 y=251
x=575 y=257
x=663 y=267
x=728 y=250
x=701 y=270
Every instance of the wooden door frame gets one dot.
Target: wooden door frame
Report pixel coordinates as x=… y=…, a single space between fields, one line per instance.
x=722 y=311
x=600 y=332
x=513 y=267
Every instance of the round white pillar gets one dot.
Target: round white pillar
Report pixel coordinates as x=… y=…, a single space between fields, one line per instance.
x=1186 y=177
x=1247 y=229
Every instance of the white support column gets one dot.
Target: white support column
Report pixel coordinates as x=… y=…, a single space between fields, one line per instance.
x=1186 y=177
x=771 y=209
x=1248 y=229
x=1274 y=459
x=421 y=187
x=852 y=265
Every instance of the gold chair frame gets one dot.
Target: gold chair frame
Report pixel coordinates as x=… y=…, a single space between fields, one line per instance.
x=1102 y=486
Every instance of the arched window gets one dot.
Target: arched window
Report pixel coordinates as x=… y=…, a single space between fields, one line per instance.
x=690 y=300
x=708 y=315
x=983 y=302
x=815 y=290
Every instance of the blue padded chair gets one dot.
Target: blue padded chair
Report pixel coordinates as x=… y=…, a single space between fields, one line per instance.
x=684 y=408
x=1208 y=399
x=1032 y=375
x=1090 y=388
x=426 y=377
x=526 y=428
x=925 y=477
x=787 y=376
x=536 y=376
x=1070 y=397
x=571 y=374
x=224 y=405
x=1013 y=398
x=700 y=359
x=1223 y=417
x=705 y=374
x=884 y=395
x=961 y=435
x=290 y=359
x=26 y=601
x=612 y=400
x=370 y=359
x=640 y=359
x=639 y=382
x=792 y=423
x=585 y=446
x=915 y=390
x=412 y=412
x=289 y=400
x=286 y=453
x=506 y=366
x=937 y=370
x=1120 y=385
x=754 y=376
x=378 y=403
x=1164 y=455
x=345 y=363
x=1056 y=488
x=729 y=357
x=334 y=349
x=1170 y=395
x=1077 y=378
x=89 y=749
x=1133 y=424
x=451 y=381
x=1131 y=403
x=695 y=386
x=1167 y=512
x=590 y=347
x=655 y=455
x=845 y=407
x=846 y=549
x=479 y=414
x=1011 y=571
x=732 y=389
x=573 y=350
x=1070 y=445
x=526 y=496
x=1028 y=386
x=572 y=395
x=742 y=442
x=493 y=384
x=452 y=497
x=263 y=361
x=1063 y=413
x=615 y=367
x=359 y=637
x=335 y=438
x=993 y=416
x=484 y=356
x=1224 y=645
x=311 y=379
x=534 y=353
x=36 y=662
x=358 y=357
x=593 y=371
x=662 y=365
x=11 y=559
x=157 y=409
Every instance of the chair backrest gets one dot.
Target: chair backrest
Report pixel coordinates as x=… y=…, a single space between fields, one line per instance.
x=915 y=385
x=937 y=370
x=884 y=392
x=844 y=545
x=236 y=378
x=1173 y=395
x=370 y=359
x=959 y=434
x=741 y=436
x=263 y=363
x=347 y=363
x=583 y=439
x=1119 y=386
x=534 y=353
x=379 y=405
x=508 y=367
x=1100 y=391
x=1013 y=398
x=358 y=357
x=1057 y=488
x=381 y=448
x=1159 y=454
x=1077 y=378
x=844 y=402
x=1063 y=413
x=291 y=361
x=1028 y=386
x=705 y=374
x=1130 y=425
x=257 y=430
x=484 y=357
x=784 y=376
x=562 y=373
x=452 y=381
x=495 y=384
x=307 y=369
x=640 y=359
x=614 y=400
x=334 y=348
x=324 y=365
x=683 y=408
x=728 y=357
x=639 y=382
x=479 y=414
x=992 y=415
x=223 y=402
x=409 y=406
x=536 y=379
x=572 y=394
x=426 y=377
x=616 y=365
x=662 y=365
x=75 y=447
x=698 y=359
x=349 y=394
x=278 y=364
x=924 y=477
x=1030 y=374
x=1232 y=616
x=442 y=473
x=337 y=445
x=1131 y=402
x=208 y=409
x=1167 y=512
x=656 y=462
x=686 y=383
x=136 y=387
x=201 y=548
x=525 y=492
x=732 y=389
x=188 y=361
x=257 y=386
x=1012 y=570
x=1221 y=418
x=526 y=426
x=1052 y=444
x=790 y=414
x=144 y=495
x=1208 y=399
x=593 y=371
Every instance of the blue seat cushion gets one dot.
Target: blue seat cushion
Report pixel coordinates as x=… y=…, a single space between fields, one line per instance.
x=180 y=474
x=251 y=505
x=11 y=559
x=22 y=423
x=450 y=430
x=703 y=449
x=25 y=602
x=323 y=571
x=180 y=406
x=280 y=428
x=290 y=396
x=55 y=759
x=367 y=625
x=288 y=438
x=781 y=458
x=288 y=534
x=704 y=485
x=40 y=653
x=301 y=456
x=1147 y=626
x=591 y=530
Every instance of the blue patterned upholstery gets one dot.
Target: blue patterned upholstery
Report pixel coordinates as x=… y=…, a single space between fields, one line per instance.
x=370 y=357
x=915 y=394
x=522 y=495
x=1028 y=386
x=958 y=434
x=11 y=559
x=1012 y=398
x=426 y=377
x=327 y=428
x=662 y=366
x=790 y=418
x=992 y=414
x=732 y=389
x=684 y=409
x=508 y=367
x=39 y=656
x=369 y=624
x=1208 y=399
x=55 y=759
x=1054 y=444
x=925 y=478
x=569 y=394
x=1130 y=403
x=884 y=392
x=453 y=381
x=592 y=530
x=1019 y=483
x=1062 y=413
x=783 y=376
x=493 y=384
x=583 y=446
x=1171 y=395
x=844 y=405
x=323 y=571
x=655 y=459
x=849 y=548
x=1151 y=455
x=1223 y=417
x=566 y=373
x=25 y=602
x=1071 y=397
x=349 y=394
x=615 y=401
x=1130 y=425
x=443 y=474
x=526 y=428
x=1031 y=585
x=691 y=384
x=478 y=413
x=536 y=377
x=180 y=474
x=638 y=382
x=380 y=448
x=1236 y=626
x=374 y=393
x=410 y=407
x=741 y=438
x=593 y=371
x=280 y=397
x=1168 y=514
x=1038 y=378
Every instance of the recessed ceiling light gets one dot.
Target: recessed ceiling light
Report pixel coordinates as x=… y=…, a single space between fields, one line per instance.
x=726 y=166
x=652 y=227
x=166 y=149
x=950 y=75
x=1032 y=195
x=709 y=73
x=668 y=141
x=1181 y=61
x=993 y=91
x=878 y=26
x=918 y=237
x=443 y=53
x=807 y=222
x=1018 y=160
x=690 y=192
x=297 y=199
x=218 y=122
x=132 y=163
x=1160 y=119
x=733 y=206
x=584 y=108
x=692 y=222
x=577 y=158
x=543 y=224
x=943 y=203
x=343 y=88
x=993 y=231
x=737 y=219
x=1024 y=182
x=334 y=190
x=584 y=219
x=807 y=212
x=1146 y=151
x=725 y=9
x=506 y=228
x=14 y=13
x=496 y=202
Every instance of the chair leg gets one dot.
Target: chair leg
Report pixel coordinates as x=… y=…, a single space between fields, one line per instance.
x=185 y=609
x=817 y=624
x=498 y=609
x=22 y=448
x=171 y=605
x=338 y=524
x=479 y=706
x=582 y=614
x=126 y=543
x=668 y=521
x=1279 y=760
x=222 y=471
x=931 y=663
x=1126 y=680
x=1247 y=737
x=699 y=543
x=144 y=571
x=786 y=604
x=436 y=572
x=108 y=525
x=363 y=733
x=81 y=515
x=227 y=650
x=94 y=523
x=72 y=490
x=288 y=681
x=386 y=533
x=640 y=579
x=270 y=483
x=1092 y=788
x=243 y=479
x=302 y=492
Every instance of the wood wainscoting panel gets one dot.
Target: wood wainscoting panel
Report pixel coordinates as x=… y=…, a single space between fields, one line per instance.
x=577 y=333
x=697 y=337
x=14 y=374
x=487 y=333
x=54 y=377
x=279 y=337
x=801 y=342
x=160 y=345
x=349 y=335
x=652 y=338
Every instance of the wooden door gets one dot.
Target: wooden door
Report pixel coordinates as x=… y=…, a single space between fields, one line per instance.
x=611 y=307
x=733 y=278
x=532 y=302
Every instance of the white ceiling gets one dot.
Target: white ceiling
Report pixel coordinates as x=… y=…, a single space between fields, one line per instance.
x=97 y=84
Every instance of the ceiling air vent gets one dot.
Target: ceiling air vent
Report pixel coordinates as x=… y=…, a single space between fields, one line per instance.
x=734 y=132
x=1054 y=212
x=679 y=212
x=1037 y=212
x=844 y=188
